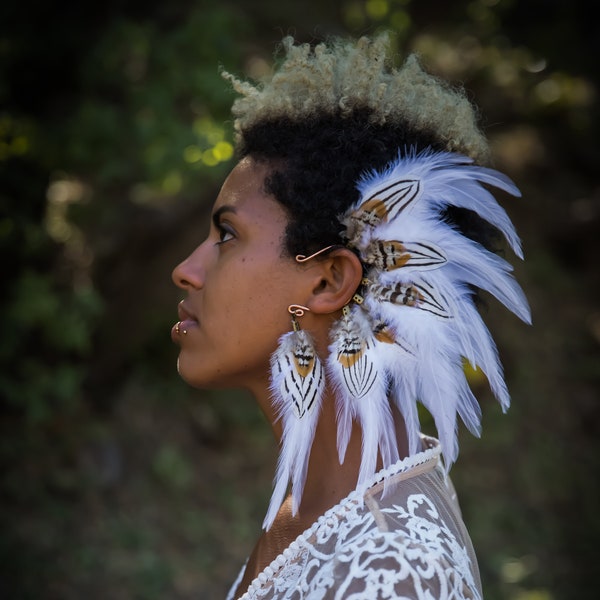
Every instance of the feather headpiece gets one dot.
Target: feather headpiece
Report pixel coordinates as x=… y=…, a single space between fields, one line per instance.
x=404 y=339
x=419 y=273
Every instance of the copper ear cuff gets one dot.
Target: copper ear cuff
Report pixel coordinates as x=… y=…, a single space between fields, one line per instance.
x=302 y=258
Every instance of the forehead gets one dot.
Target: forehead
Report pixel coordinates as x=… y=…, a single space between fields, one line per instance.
x=244 y=192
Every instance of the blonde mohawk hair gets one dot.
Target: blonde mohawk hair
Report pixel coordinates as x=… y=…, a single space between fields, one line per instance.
x=345 y=76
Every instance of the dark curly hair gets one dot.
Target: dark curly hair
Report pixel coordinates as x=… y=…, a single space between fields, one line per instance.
x=317 y=162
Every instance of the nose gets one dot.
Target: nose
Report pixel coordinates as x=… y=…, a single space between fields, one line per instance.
x=189 y=273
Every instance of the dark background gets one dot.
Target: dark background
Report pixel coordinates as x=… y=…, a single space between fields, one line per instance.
x=117 y=480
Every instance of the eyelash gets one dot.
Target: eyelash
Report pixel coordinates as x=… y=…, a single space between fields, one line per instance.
x=223 y=231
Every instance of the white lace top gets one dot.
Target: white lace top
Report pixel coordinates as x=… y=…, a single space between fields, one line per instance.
x=400 y=537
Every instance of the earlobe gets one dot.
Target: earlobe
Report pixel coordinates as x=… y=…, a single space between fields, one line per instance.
x=340 y=274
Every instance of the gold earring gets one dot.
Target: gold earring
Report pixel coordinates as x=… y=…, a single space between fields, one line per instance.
x=297 y=310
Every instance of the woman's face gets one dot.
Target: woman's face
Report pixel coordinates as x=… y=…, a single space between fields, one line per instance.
x=238 y=286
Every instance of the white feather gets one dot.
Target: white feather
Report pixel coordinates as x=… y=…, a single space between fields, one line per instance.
x=486 y=354
x=362 y=391
x=297 y=402
x=404 y=396
x=448 y=179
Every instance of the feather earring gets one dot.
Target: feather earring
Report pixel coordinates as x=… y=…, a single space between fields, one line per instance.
x=355 y=365
x=297 y=385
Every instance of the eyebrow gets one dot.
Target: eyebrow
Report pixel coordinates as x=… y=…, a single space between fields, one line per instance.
x=216 y=218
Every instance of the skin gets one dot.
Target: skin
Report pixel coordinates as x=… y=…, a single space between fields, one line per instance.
x=235 y=281
x=238 y=285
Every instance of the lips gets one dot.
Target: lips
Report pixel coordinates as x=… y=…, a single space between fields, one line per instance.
x=187 y=322
x=185 y=313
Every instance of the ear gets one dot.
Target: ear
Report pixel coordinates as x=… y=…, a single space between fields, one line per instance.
x=335 y=279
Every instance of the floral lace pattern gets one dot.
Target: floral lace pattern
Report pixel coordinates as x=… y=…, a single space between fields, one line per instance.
x=400 y=537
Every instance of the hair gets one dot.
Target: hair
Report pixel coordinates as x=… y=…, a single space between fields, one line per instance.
x=333 y=112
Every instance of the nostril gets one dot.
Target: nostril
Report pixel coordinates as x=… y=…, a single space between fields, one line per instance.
x=179 y=276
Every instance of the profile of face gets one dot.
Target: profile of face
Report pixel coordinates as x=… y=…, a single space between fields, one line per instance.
x=238 y=284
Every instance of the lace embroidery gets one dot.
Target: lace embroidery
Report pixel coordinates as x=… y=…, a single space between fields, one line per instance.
x=346 y=555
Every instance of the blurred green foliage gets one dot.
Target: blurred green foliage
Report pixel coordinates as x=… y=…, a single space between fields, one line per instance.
x=117 y=480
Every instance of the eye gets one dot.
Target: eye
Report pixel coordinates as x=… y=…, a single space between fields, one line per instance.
x=225 y=233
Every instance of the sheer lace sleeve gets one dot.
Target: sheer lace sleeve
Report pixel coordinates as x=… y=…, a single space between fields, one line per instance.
x=401 y=538
x=424 y=561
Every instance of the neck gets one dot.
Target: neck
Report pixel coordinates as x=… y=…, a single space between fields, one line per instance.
x=328 y=481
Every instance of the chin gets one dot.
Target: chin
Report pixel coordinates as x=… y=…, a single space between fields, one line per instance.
x=188 y=374
x=196 y=378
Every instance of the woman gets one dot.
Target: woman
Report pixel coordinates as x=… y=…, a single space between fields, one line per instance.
x=337 y=286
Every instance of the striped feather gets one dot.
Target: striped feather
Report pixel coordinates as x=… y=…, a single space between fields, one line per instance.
x=382 y=205
x=362 y=385
x=394 y=254
x=420 y=294
x=297 y=385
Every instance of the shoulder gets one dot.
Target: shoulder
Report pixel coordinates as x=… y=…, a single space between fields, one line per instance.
x=420 y=559
x=400 y=536
x=408 y=542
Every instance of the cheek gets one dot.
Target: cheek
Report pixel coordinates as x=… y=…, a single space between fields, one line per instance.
x=264 y=321
x=252 y=301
